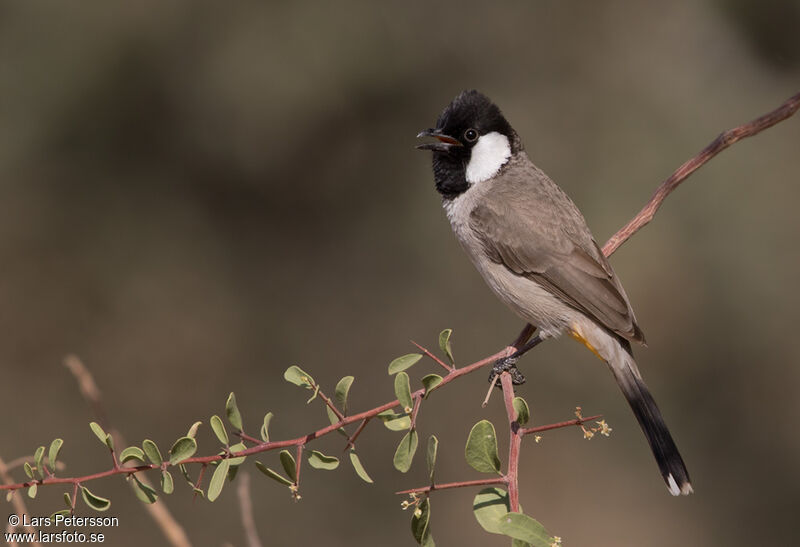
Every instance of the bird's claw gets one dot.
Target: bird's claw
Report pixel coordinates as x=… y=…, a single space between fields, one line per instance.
x=507 y=364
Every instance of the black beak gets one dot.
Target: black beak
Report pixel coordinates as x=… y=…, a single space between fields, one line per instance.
x=443 y=143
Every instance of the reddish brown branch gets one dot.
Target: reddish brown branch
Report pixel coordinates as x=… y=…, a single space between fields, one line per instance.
x=514 y=442
x=576 y=421
x=449 y=485
x=427 y=353
x=723 y=141
x=351 y=441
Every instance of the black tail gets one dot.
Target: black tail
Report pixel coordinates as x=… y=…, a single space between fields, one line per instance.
x=644 y=407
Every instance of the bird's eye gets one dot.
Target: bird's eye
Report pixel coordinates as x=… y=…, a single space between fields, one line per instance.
x=470 y=135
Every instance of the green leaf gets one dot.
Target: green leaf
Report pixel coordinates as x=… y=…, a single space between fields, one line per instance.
x=288 y=463
x=238 y=447
x=402 y=389
x=167 y=484
x=489 y=506
x=404 y=454
x=433 y=449
x=318 y=460
x=218 y=479
x=265 y=427
x=144 y=492
x=522 y=410
x=52 y=455
x=234 y=417
x=358 y=467
x=132 y=453
x=273 y=475
x=298 y=377
x=481 y=449
x=62 y=513
x=404 y=362
x=431 y=381
x=32 y=489
x=519 y=543
x=68 y=499
x=341 y=392
x=420 y=523
x=395 y=422
x=193 y=430
x=444 y=344
x=184 y=448
x=219 y=429
x=524 y=528
x=38 y=456
x=152 y=451
x=95 y=502
x=9 y=495
x=98 y=431
x=28 y=470
x=332 y=417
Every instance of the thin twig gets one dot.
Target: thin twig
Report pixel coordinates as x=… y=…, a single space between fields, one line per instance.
x=723 y=141
x=576 y=421
x=246 y=503
x=351 y=441
x=449 y=485
x=427 y=353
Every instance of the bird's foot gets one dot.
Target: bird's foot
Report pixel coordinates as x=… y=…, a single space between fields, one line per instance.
x=507 y=364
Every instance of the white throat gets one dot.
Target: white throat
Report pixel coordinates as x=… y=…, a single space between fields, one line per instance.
x=489 y=154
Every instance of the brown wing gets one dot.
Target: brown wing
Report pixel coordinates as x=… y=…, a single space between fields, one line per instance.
x=529 y=225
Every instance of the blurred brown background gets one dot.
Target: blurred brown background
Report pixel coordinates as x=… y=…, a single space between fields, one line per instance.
x=196 y=196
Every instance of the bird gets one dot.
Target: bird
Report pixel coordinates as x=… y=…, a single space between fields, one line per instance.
x=531 y=245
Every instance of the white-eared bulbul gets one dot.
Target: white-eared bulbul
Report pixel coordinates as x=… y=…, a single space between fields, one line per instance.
x=532 y=246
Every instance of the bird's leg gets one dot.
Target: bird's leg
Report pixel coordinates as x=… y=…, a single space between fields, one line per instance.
x=510 y=363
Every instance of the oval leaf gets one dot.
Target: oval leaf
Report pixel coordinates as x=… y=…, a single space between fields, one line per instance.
x=273 y=475
x=395 y=422
x=420 y=522
x=524 y=528
x=404 y=454
x=95 y=502
x=341 y=392
x=481 y=449
x=265 y=427
x=184 y=448
x=219 y=429
x=404 y=362
x=28 y=469
x=298 y=377
x=32 y=489
x=288 y=463
x=193 y=430
x=402 y=389
x=218 y=480
x=38 y=456
x=152 y=452
x=522 y=410
x=318 y=460
x=433 y=449
x=132 y=453
x=167 y=484
x=444 y=344
x=430 y=382
x=98 y=431
x=144 y=492
x=234 y=417
x=359 y=468
x=489 y=506
x=55 y=448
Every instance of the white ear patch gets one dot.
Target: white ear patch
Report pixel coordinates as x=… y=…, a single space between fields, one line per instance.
x=489 y=154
